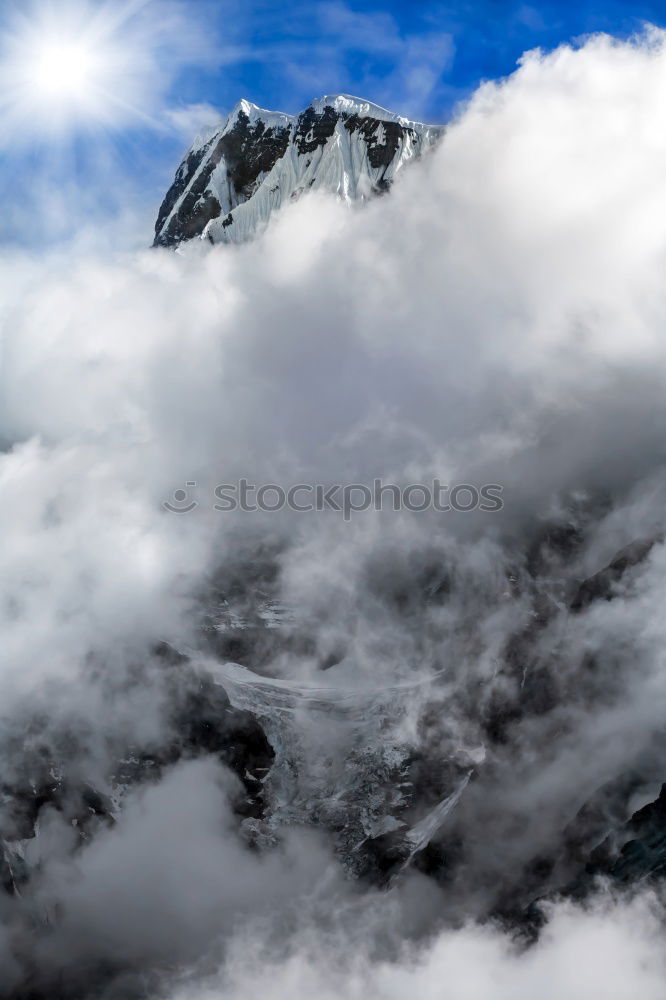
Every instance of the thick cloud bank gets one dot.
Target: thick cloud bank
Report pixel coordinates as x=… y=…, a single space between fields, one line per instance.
x=498 y=318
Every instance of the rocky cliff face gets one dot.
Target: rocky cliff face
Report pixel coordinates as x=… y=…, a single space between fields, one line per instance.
x=234 y=177
x=381 y=771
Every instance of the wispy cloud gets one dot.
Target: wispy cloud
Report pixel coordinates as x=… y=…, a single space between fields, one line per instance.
x=189 y=119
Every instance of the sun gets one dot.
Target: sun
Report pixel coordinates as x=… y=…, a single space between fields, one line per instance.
x=57 y=77
x=71 y=70
x=63 y=71
x=73 y=66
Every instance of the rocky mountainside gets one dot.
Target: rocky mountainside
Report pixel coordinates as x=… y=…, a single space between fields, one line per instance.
x=381 y=771
x=236 y=175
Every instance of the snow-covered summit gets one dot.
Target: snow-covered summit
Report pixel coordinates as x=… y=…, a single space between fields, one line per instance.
x=255 y=113
x=346 y=104
x=236 y=174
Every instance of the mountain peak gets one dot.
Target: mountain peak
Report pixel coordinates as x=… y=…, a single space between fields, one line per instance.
x=253 y=112
x=347 y=104
x=235 y=176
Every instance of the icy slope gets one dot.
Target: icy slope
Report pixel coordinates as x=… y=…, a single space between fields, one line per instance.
x=234 y=177
x=343 y=762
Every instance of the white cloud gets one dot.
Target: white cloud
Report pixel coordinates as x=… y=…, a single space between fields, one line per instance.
x=190 y=119
x=498 y=317
x=615 y=951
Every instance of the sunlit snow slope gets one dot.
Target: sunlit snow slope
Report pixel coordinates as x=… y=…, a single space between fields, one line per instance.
x=235 y=176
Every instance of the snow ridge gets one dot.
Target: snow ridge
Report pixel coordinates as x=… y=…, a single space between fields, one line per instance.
x=236 y=175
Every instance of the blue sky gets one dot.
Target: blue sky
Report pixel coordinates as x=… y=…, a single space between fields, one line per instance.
x=187 y=61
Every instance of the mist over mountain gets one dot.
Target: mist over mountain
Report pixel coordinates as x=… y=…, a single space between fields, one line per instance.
x=337 y=753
